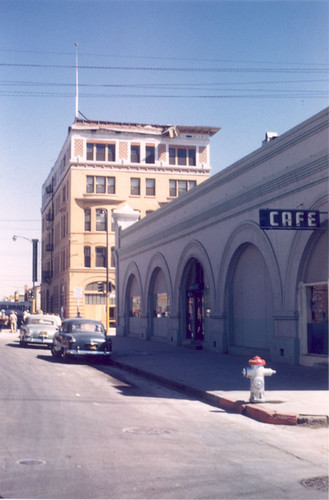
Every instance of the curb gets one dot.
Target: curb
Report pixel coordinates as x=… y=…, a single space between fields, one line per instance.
x=251 y=410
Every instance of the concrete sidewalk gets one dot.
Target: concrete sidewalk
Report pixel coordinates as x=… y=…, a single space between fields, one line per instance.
x=294 y=395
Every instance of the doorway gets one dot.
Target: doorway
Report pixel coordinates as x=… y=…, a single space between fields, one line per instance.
x=194 y=302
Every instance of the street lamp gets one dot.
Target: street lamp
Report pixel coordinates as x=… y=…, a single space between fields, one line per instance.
x=105 y=213
x=34 y=263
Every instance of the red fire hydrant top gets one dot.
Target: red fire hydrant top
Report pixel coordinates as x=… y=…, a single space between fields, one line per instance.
x=256 y=360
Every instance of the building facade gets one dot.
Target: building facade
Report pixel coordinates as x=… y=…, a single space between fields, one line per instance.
x=101 y=167
x=205 y=270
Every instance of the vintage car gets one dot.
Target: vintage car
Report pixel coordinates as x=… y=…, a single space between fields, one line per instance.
x=39 y=329
x=4 y=319
x=80 y=337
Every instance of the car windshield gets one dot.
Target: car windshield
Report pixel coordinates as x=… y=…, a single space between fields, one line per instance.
x=41 y=321
x=90 y=327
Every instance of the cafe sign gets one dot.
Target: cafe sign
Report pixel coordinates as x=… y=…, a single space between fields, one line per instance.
x=271 y=218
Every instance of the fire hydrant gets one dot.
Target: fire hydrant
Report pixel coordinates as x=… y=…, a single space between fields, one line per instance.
x=256 y=372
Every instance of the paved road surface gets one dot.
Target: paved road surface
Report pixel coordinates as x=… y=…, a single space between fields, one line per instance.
x=93 y=431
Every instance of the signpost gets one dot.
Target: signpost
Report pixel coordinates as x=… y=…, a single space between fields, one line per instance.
x=272 y=218
x=78 y=294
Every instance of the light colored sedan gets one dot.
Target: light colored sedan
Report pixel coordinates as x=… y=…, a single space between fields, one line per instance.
x=39 y=329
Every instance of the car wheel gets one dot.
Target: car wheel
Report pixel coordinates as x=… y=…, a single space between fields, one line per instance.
x=66 y=357
x=22 y=343
x=56 y=354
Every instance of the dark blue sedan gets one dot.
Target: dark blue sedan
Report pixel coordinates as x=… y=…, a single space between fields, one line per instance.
x=80 y=337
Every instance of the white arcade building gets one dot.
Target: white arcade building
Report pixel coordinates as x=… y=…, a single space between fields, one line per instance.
x=239 y=264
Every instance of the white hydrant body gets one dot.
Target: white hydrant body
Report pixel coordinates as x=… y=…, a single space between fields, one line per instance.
x=257 y=373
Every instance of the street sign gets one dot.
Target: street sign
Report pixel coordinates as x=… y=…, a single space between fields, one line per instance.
x=272 y=218
x=78 y=292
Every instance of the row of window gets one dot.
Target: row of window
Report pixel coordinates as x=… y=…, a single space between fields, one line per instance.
x=107 y=185
x=101 y=220
x=100 y=257
x=178 y=155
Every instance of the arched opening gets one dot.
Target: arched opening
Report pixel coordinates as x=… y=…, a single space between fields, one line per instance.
x=313 y=308
x=250 y=307
x=133 y=305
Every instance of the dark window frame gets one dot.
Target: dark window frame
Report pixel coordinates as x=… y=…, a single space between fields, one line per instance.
x=135 y=153
x=100 y=219
x=135 y=190
x=149 y=154
x=100 y=257
x=182 y=156
x=150 y=190
x=87 y=212
x=87 y=256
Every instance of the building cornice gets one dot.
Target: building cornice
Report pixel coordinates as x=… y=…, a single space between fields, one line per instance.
x=139 y=128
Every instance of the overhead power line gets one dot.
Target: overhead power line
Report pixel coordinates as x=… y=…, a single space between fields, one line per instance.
x=294 y=95
x=318 y=69
x=158 y=58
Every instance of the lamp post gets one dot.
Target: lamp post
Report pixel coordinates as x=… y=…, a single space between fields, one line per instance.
x=34 y=263
x=105 y=213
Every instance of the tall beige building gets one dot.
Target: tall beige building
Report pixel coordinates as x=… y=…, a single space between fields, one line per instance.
x=102 y=167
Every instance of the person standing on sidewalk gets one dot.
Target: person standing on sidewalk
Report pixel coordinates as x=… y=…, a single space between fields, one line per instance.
x=13 y=322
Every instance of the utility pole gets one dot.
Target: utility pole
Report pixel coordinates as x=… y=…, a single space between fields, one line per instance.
x=76 y=83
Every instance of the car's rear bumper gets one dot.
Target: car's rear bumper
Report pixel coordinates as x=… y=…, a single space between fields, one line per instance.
x=37 y=340
x=82 y=352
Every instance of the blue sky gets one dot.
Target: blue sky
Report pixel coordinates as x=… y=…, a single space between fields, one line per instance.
x=245 y=66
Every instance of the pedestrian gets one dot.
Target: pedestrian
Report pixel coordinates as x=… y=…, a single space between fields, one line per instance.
x=13 y=322
x=25 y=315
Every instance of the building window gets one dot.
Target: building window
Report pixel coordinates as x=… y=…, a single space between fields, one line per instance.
x=111 y=152
x=95 y=298
x=87 y=219
x=63 y=226
x=135 y=153
x=135 y=306
x=191 y=157
x=94 y=287
x=100 y=152
x=100 y=219
x=150 y=154
x=135 y=186
x=111 y=185
x=150 y=187
x=182 y=156
x=160 y=305
x=90 y=184
x=90 y=151
x=100 y=257
x=178 y=187
x=87 y=256
x=100 y=184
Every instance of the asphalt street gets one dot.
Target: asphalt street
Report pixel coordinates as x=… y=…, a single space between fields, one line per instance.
x=89 y=430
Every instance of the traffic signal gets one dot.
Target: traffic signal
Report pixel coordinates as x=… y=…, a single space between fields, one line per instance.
x=100 y=286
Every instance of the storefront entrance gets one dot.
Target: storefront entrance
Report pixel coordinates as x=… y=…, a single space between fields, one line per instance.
x=194 y=302
x=317 y=319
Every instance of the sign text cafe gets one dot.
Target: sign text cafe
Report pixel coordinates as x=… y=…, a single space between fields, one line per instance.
x=271 y=218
